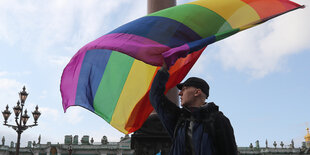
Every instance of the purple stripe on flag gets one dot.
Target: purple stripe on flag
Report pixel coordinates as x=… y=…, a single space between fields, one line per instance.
x=70 y=78
x=173 y=54
x=138 y=47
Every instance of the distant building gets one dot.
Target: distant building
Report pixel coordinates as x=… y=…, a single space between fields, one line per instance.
x=275 y=148
x=72 y=146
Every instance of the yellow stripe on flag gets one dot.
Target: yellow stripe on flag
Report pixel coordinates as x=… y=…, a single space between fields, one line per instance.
x=235 y=12
x=137 y=83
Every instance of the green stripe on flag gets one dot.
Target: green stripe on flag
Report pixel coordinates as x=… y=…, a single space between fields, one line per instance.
x=207 y=24
x=112 y=84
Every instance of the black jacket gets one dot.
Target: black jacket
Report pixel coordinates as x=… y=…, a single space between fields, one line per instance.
x=211 y=132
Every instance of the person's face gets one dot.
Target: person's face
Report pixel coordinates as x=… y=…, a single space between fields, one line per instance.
x=187 y=95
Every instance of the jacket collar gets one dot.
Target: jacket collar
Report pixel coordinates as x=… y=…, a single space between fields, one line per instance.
x=209 y=107
x=204 y=109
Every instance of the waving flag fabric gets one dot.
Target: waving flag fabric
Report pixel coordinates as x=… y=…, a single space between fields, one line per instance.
x=111 y=76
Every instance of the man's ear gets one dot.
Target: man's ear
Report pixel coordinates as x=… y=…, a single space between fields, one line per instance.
x=197 y=92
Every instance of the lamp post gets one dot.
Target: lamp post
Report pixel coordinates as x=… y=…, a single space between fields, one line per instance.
x=21 y=117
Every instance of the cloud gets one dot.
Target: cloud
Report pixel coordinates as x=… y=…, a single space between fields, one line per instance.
x=14 y=74
x=262 y=50
x=59 y=60
x=9 y=91
x=3 y=73
x=44 y=94
x=50 y=29
x=48 y=113
x=200 y=66
x=8 y=84
x=73 y=115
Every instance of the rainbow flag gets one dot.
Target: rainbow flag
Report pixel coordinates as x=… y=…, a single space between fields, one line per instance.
x=111 y=76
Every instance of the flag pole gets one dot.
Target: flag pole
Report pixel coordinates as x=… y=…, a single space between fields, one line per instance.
x=153 y=6
x=156 y=5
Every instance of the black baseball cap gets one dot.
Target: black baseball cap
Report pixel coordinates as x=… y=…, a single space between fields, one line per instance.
x=197 y=83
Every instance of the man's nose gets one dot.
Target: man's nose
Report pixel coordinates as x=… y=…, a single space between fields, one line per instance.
x=180 y=93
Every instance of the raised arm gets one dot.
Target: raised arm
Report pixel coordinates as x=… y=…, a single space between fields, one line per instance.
x=167 y=111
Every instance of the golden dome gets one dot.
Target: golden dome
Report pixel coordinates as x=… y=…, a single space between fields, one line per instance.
x=307 y=137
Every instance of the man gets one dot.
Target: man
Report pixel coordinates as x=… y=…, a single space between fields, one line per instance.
x=198 y=128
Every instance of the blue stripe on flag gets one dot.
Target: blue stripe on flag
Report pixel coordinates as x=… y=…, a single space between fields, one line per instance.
x=161 y=29
x=92 y=70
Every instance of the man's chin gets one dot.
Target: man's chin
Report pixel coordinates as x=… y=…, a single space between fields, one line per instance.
x=184 y=105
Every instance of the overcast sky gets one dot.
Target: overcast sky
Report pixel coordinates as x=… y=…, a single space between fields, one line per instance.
x=260 y=78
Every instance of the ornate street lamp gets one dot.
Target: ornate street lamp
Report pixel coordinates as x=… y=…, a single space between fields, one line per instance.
x=21 y=117
x=6 y=114
x=25 y=118
x=23 y=95
x=36 y=114
x=17 y=109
